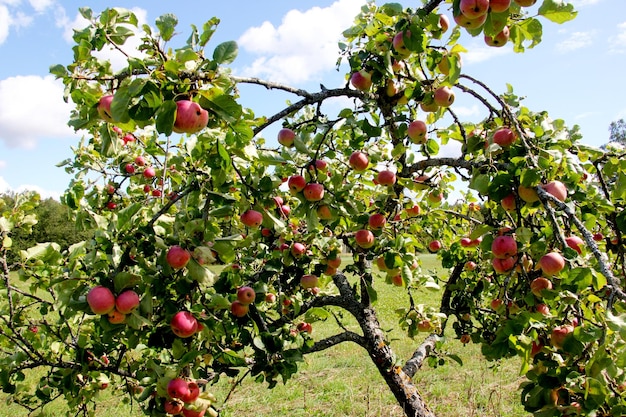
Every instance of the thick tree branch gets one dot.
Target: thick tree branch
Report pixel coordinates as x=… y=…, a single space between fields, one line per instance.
x=331 y=341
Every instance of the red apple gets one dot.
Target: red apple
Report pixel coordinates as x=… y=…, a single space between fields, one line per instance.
x=284 y=210
x=474 y=8
x=434 y=246
x=377 y=221
x=500 y=39
x=298 y=249
x=470 y=265
x=101 y=300
x=309 y=281
x=193 y=413
x=575 y=243
x=177 y=257
x=535 y=348
x=149 y=173
x=127 y=301
x=238 y=309
x=140 y=161
x=386 y=177
x=115 y=317
x=104 y=108
x=251 y=218
x=129 y=168
x=444 y=96
x=313 y=191
x=190 y=117
x=435 y=197
x=504 y=265
x=499 y=6
x=504 y=247
x=466 y=242
x=270 y=298
x=416 y=131
x=424 y=326
x=413 y=211
x=361 y=80
x=111 y=205
x=560 y=334
x=496 y=304
x=468 y=23
x=177 y=388
x=539 y=284
x=552 y=263
x=334 y=263
x=364 y=238
x=184 y=324
x=557 y=189
x=173 y=406
x=504 y=137
x=286 y=137
x=246 y=295
x=194 y=392
x=598 y=236
x=444 y=23
x=304 y=327
x=542 y=309
x=398 y=44
x=296 y=183
x=508 y=203
x=359 y=161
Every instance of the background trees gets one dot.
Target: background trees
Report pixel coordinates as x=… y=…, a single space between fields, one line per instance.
x=174 y=174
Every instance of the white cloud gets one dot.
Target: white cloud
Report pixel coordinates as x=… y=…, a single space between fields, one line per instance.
x=302 y=46
x=31 y=109
x=480 y=52
x=576 y=40
x=4 y=186
x=41 y=5
x=617 y=43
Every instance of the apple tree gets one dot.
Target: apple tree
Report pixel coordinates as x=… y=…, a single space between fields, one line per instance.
x=175 y=174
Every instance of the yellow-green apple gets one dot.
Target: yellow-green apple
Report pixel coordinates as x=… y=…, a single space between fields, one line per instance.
x=424 y=326
x=359 y=161
x=177 y=257
x=127 y=301
x=324 y=213
x=474 y=8
x=528 y=194
x=468 y=23
x=177 y=388
x=434 y=246
x=539 y=284
x=377 y=221
x=525 y=3
x=104 y=108
x=443 y=96
x=184 y=324
x=560 y=334
x=386 y=177
x=429 y=106
x=115 y=317
x=435 y=197
x=508 y=203
x=239 y=309
x=504 y=137
x=309 y=281
x=499 y=6
x=361 y=80
x=364 y=238
x=500 y=39
x=296 y=183
x=398 y=44
x=190 y=117
x=297 y=249
x=286 y=137
x=575 y=243
x=313 y=191
x=552 y=263
x=251 y=218
x=246 y=294
x=417 y=131
x=557 y=189
x=101 y=300
x=503 y=247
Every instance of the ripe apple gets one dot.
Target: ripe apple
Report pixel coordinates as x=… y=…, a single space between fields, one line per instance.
x=396 y=279
x=444 y=96
x=193 y=413
x=386 y=177
x=508 y=203
x=127 y=301
x=468 y=23
x=504 y=137
x=296 y=183
x=298 y=249
x=251 y=218
x=398 y=44
x=557 y=189
x=364 y=238
x=377 y=221
x=335 y=262
x=434 y=246
x=470 y=265
x=359 y=161
x=129 y=168
x=525 y=3
x=246 y=295
x=324 y=213
x=500 y=39
x=527 y=194
x=543 y=309
x=535 y=347
x=115 y=317
x=177 y=257
x=190 y=117
x=149 y=173
x=424 y=326
x=270 y=298
x=184 y=324
x=539 y=284
x=177 y=388
x=173 y=406
x=194 y=392
x=304 y=327
x=101 y=300
x=104 y=108
x=552 y=263
x=502 y=266
x=496 y=304
x=111 y=205
x=575 y=243
x=499 y=6
x=309 y=281
x=313 y=191
x=361 y=80
x=504 y=247
x=140 y=161
x=444 y=23
x=435 y=197
x=239 y=309
x=417 y=131
x=284 y=210
x=466 y=242
x=286 y=137
x=560 y=334
x=474 y=8
x=413 y=211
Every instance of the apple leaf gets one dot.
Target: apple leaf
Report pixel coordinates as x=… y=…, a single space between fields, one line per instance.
x=166 y=25
x=528 y=30
x=225 y=52
x=165 y=117
x=223 y=105
x=557 y=11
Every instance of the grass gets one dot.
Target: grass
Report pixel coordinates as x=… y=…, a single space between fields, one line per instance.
x=342 y=381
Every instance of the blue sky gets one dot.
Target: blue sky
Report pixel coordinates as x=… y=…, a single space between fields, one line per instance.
x=576 y=74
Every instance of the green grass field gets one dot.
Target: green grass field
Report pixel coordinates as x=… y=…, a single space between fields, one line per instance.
x=342 y=381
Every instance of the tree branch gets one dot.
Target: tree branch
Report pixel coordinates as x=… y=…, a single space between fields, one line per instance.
x=331 y=341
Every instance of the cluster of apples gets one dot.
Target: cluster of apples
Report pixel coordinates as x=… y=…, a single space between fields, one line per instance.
x=529 y=195
x=245 y=296
x=184 y=399
x=102 y=301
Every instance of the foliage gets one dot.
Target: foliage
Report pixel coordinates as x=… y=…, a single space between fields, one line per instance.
x=617 y=131
x=151 y=194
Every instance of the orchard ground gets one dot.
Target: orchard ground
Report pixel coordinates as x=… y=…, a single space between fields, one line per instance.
x=339 y=382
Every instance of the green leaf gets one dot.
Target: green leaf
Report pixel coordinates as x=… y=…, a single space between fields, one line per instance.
x=166 y=25
x=224 y=106
x=226 y=52
x=165 y=117
x=557 y=11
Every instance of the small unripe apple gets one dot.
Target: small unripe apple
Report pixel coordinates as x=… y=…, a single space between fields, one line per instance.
x=177 y=257
x=424 y=326
x=324 y=213
x=190 y=117
x=417 y=131
x=470 y=265
x=184 y=324
x=251 y=218
x=101 y=300
x=364 y=238
x=246 y=295
x=528 y=194
x=127 y=301
x=296 y=183
x=359 y=161
x=361 y=80
x=313 y=191
x=238 y=309
x=104 y=108
x=286 y=137
x=444 y=96
x=525 y=3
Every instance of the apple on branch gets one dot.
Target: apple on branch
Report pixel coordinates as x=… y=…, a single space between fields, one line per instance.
x=104 y=108
x=190 y=117
x=101 y=300
x=361 y=80
x=286 y=137
x=474 y=8
x=359 y=161
x=417 y=131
